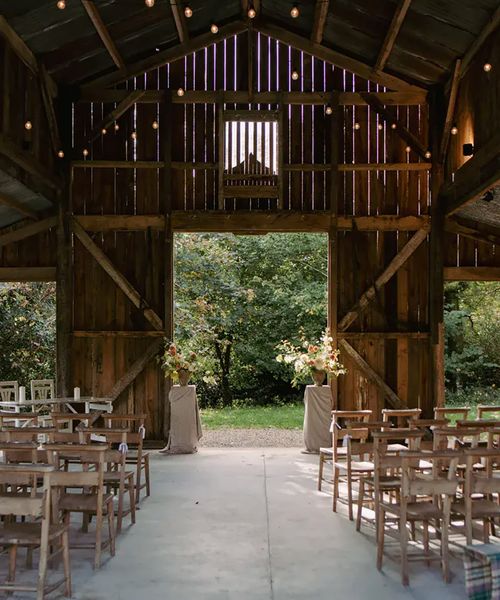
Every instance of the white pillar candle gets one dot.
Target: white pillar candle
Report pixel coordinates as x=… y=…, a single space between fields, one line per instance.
x=76 y=393
x=22 y=394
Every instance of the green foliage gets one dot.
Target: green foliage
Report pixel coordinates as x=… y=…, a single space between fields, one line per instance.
x=289 y=416
x=27 y=331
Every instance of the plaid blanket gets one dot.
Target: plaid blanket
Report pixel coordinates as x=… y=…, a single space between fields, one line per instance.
x=482 y=572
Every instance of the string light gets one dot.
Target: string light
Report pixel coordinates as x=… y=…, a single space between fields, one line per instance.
x=28 y=125
x=487 y=67
x=294 y=13
x=357 y=125
x=328 y=109
x=60 y=154
x=380 y=126
x=428 y=154
x=149 y=3
x=214 y=29
x=117 y=127
x=154 y=125
x=188 y=12
x=85 y=152
x=133 y=135
x=180 y=92
x=252 y=13
x=454 y=130
x=408 y=149
x=104 y=131
x=393 y=126
x=295 y=75
x=61 y=4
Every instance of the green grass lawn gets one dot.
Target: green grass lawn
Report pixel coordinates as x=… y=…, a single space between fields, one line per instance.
x=290 y=416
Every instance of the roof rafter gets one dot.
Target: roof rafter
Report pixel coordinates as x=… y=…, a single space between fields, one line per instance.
x=392 y=34
x=333 y=56
x=103 y=33
x=167 y=56
x=180 y=20
x=489 y=28
x=320 y=15
x=19 y=207
x=450 y=111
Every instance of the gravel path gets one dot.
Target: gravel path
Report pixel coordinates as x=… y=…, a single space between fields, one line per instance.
x=252 y=438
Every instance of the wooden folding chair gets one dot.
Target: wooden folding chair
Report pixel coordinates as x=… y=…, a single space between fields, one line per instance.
x=423 y=498
x=89 y=498
x=339 y=417
x=452 y=413
x=401 y=417
x=37 y=530
x=484 y=409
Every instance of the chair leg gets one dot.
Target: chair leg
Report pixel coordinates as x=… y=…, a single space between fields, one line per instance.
x=111 y=527
x=380 y=537
x=42 y=565
x=138 y=479
x=146 y=475
x=486 y=530
x=320 y=471
x=12 y=565
x=349 y=496
x=361 y=494
x=335 y=488
x=66 y=563
x=98 y=540
x=403 y=540
x=426 y=541
x=444 y=550
x=131 y=489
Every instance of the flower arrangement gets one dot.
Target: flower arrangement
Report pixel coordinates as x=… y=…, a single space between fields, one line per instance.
x=174 y=361
x=311 y=358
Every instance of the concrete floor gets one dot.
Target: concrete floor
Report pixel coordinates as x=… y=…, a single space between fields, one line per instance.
x=248 y=524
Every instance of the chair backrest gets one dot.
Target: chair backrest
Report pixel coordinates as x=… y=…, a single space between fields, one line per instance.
x=60 y=420
x=402 y=417
x=18 y=419
x=85 y=455
x=42 y=389
x=20 y=504
x=449 y=412
x=481 y=482
x=25 y=434
x=340 y=419
x=454 y=437
x=127 y=421
x=413 y=484
x=19 y=452
x=388 y=446
x=9 y=392
x=356 y=441
x=483 y=409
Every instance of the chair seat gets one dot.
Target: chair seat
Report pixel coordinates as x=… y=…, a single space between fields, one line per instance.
x=386 y=482
x=480 y=508
x=424 y=464
x=82 y=502
x=357 y=466
x=132 y=456
x=328 y=451
x=27 y=534
x=396 y=447
x=415 y=510
x=115 y=476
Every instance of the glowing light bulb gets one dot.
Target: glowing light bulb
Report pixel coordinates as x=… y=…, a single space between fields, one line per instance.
x=380 y=126
x=60 y=154
x=294 y=13
x=487 y=67
x=133 y=135
x=28 y=125
x=252 y=13
x=61 y=4
x=328 y=109
x=213 y=28
x=117 y=127
x=149 y=3
x=154 y=125
x=357 y=125
x=85 y=152
x=295 y=75
x=180 y=92
x=428 y=154
x=393 y=126
x=104 y=131
x=188 y=12
x=408 y=149
x=454 y=130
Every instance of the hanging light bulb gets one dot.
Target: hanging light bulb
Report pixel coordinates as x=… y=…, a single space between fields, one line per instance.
x=487 y=67
x=328 y=109
x=214 y=29
x=149 y=3
x=294 y=13
x=85 y=152
x=393 y=126
x=357 y=126
x=454 y=130
x=28 y=125
x=104 y=131
x=180 y=92
x=60 y=154
x=295 y=75
x=428 y=154
x=408 y=149
x=61 y=4
x=117 y=127
x=133 y=135
x=154 y=125
x=252 y=13
x=188 y=12
x=380 y=126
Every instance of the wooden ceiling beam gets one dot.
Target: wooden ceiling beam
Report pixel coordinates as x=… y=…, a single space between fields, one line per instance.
x=392 y=34
x=489 y=28
x=472 y=273
x=26 y=231
x=474 y=230
x=474 y=178
x=337 y=58
x=169 y=55
x=320 y=15
x=27 y=274
x=103 y=33
x=180 y=20
x=20 y=208
x=450 y=111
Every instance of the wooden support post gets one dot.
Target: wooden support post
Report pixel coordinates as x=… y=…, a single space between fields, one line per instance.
x=436 y=269
x=333 y=250
x=168 y=258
